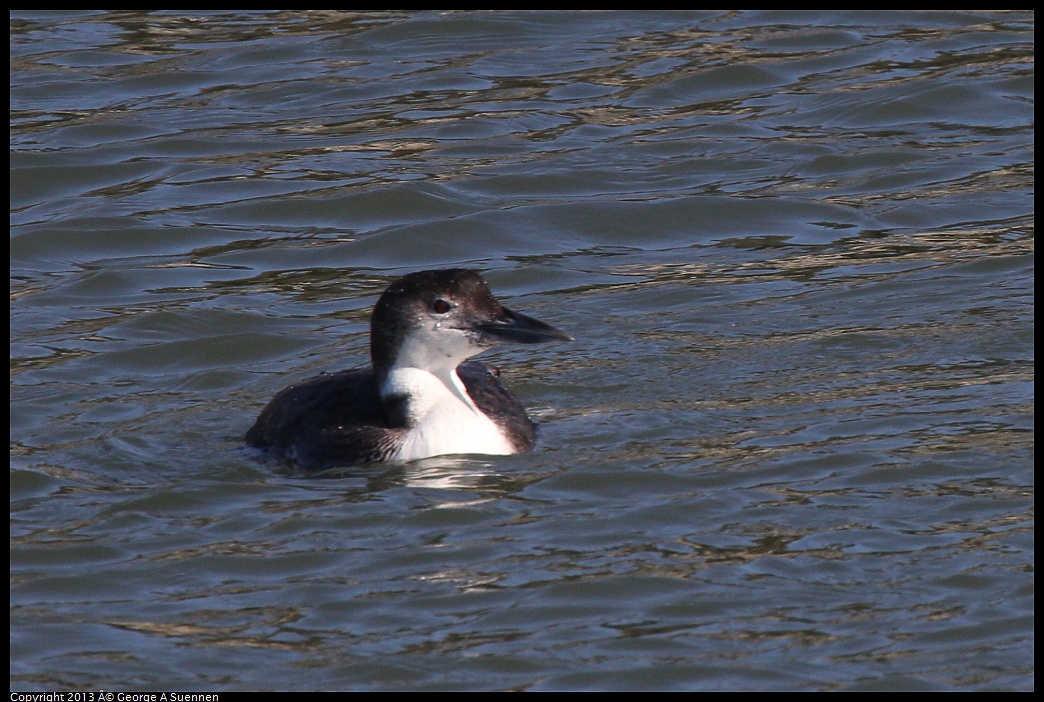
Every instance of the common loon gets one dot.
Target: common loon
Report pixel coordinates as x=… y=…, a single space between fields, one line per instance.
x=420 y=399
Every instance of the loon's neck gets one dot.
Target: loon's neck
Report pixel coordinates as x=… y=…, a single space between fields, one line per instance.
x=413 y=396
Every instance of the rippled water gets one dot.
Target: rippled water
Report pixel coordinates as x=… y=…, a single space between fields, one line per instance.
x=792 y=448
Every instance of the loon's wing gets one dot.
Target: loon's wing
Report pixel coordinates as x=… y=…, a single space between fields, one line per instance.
x=496 y=402
x=333 y=419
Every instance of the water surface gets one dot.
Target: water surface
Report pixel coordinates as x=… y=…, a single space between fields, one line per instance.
x=792 y=447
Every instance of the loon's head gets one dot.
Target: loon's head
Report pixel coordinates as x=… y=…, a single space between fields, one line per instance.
x=435 y=320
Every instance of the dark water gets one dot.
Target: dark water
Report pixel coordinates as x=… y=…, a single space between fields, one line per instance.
x=792 y=448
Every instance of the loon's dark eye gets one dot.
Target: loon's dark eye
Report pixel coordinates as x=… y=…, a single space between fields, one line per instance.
x=441 y=306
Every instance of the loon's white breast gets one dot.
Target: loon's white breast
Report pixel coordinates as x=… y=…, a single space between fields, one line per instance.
x=443 y=417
